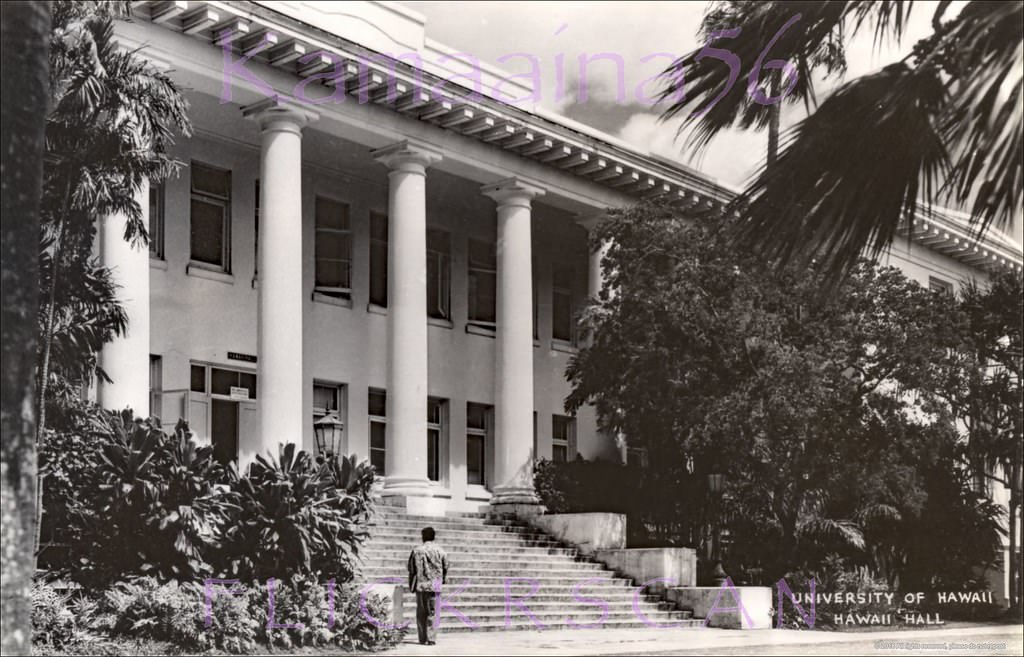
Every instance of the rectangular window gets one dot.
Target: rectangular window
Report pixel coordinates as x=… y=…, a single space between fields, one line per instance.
x=477 y=424
x=940 y=286
x=377 y=410
x=156 y=221
x=379 y=259
x=330 y=398
x=198 y=379
x=636 y=456
x=210 y=217
x=435 y=433
x=256 y=230
x=563 y=317
x=333 y=248
x=156 y=385
x=438 y=274
x=563 y=430
x=483 y=276
x=536 y=312
x=231 y=383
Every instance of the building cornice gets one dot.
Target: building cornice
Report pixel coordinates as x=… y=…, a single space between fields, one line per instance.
x=281 y=41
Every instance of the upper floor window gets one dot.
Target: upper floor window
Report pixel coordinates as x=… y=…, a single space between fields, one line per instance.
x=483 y=276
x=210 y=216
x=333 y=247
x=379 y=259
x=438 y=274
x=563 y=438
x=941 y=286
x=256 y=229
x=156 y=221
x=563 y=316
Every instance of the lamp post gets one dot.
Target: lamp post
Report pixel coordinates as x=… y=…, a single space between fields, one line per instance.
x=328 y=431
x=716 y=484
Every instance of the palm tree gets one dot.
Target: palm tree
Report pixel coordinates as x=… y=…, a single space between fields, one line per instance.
x=24 y=35
x=943 y=125
x=111 y=126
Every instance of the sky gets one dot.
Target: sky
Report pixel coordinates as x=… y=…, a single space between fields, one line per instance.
x=637 y=31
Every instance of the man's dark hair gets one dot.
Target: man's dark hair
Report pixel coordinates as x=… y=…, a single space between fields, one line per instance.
x=428 y=534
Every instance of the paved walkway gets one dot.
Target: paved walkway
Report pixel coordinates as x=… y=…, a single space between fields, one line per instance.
x=945 y=641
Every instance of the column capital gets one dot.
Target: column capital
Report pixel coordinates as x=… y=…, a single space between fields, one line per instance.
x=276 y=113
x=407 y=155
x=592 y=220
x=512 y=191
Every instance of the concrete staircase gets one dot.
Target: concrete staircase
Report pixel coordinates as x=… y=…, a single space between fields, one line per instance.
x=486 y=551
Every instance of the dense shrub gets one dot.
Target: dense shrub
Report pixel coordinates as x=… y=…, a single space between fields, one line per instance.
x=833 y=577
x=296 y=516
x=658 y=502
x=137 y=481
x=319 y=617
x=54 y=624
x=177 y=613
x=119 y=477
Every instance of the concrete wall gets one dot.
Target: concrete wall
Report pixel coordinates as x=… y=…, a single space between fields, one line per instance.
x=644 y=564
x=589 y=532
x=198 y=317
x=752 y=605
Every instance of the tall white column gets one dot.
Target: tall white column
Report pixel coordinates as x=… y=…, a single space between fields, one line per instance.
x=513 y=408
x=406 y=441
x=126 y=359
x=595 y=277
x=595 y=281
x=280 y=378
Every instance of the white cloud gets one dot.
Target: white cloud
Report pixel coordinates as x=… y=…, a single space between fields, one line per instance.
x=731 y=157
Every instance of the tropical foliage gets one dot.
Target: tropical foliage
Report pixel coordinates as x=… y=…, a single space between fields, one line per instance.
x=146 y=616
x=818 y=411
x=111 y=124
x=942 y=125
x=125 y=477
x=304 y=517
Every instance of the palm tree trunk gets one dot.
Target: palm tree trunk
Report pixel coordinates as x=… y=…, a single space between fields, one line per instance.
x=25 y=38
x=58 y=250
x=773 y=122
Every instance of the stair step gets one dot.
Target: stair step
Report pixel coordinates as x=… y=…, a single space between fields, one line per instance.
x=499 y=549
x=458 y=534
x=486 y=551
x=528 y=625
x=542 y=562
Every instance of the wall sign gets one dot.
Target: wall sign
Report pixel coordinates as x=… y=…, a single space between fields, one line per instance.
x=248 y=358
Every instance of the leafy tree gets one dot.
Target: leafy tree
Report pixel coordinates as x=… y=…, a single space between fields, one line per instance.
x=24 y=35
x=941 y=125
x=705 y=356
x=982 y=390
x=112 y=121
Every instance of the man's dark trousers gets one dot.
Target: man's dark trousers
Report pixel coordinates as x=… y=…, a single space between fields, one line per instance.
x=425 y=616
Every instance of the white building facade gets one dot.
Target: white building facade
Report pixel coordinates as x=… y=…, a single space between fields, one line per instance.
x=354 y=233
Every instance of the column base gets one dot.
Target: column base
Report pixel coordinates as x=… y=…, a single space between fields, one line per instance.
x=416 y=505
x=510 y=495
x=405 y=486
x=520 y=503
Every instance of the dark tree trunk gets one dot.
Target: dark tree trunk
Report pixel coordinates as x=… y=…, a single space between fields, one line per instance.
x=773 y=122
x=25 y=39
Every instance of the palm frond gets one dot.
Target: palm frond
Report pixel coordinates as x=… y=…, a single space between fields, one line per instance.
x=823 y=199
x=814 y=41
x=983 y=52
